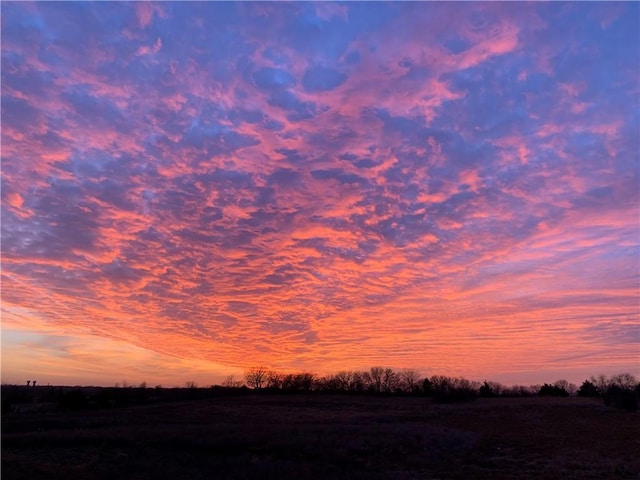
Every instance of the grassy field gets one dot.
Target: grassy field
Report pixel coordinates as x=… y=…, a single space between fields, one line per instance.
x=327 y=437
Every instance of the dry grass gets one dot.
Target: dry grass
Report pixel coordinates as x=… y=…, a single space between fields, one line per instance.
x=319 y=437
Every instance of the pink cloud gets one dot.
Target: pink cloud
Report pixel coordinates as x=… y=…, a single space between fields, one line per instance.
x=146 y=50
x=146 y=11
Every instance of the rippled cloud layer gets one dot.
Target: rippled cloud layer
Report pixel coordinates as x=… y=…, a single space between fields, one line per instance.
x=321 y=186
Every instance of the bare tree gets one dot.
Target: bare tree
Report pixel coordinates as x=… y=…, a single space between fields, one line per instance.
x=409 y=380
x=366 y=380
x=274 y=379
x=302 y=381
x=343 y=380
x=231 y=382
x=601 y=382
x=376 y=374
x=390 y=380
x=450 y=389
x=255 y=377
x=622 y=380
x=570 y=388
x=359 y=381
x=339 y=382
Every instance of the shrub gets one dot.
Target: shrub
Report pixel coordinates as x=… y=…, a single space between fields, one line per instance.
x=552 y=391
x=486 y=390
x=588 y=389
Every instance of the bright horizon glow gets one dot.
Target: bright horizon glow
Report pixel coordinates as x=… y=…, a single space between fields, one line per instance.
x=192 y=189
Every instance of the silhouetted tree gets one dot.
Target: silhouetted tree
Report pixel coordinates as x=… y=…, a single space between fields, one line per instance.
x=570 y=388
x=359 y=381
x=390 y=381
x=409 y=381
x=588 y=389
x=427 y=387
x=326 y=384
x=439 y=383
x=375 y=379
x=552 y=391
x=447 y=389
x=343 y=380
x=231 y=382
x=274 y=380
x=601 y=382
x=625 y=381
x=486 y=390
x=298 y=382
x=255 y=377
x=305 y=381
x=338 y=382
x=521 y=391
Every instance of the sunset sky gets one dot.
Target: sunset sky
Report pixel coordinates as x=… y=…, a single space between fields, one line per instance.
x=192 y=189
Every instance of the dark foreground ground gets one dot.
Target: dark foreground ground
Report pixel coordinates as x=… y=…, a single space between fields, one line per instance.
x=327 y=437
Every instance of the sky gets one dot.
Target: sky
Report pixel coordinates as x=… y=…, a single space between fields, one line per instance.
x=193 y=189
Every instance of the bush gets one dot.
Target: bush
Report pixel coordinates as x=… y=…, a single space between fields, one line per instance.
x=552 y=391
x=486 y=390
x=588 y=389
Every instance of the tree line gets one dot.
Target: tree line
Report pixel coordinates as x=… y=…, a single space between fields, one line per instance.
x=622 y=390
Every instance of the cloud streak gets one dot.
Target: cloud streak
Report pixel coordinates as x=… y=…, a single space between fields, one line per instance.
x=314 y=186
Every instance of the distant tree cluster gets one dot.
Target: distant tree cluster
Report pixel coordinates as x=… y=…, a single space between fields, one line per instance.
x=620 y=390
x=560 y=388
x=382 y=381
x=376 y=380
x=552 y=391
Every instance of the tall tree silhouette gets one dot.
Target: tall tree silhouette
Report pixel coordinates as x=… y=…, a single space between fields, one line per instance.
x=256 y=377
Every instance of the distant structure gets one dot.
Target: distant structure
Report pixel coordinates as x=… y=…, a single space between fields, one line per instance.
x=28 y=382
x=33 y=383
